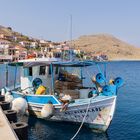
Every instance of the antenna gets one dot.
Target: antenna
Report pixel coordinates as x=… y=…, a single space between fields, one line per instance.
x=71 y=29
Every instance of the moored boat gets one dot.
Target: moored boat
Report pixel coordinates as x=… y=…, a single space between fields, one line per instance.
x=50 y=89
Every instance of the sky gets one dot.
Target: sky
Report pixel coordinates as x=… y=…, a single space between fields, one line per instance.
x=50 y=19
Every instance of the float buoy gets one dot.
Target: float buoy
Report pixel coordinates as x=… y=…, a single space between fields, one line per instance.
x=66 y=98
x=100 y=78
x=106 y=90
x=47 y=110
x=9 y=98
x=109 y=90
x=92 y=93
x=118 y=82
x=36 y=82
x=2 y=91
x=7 y=93
x=20 y=105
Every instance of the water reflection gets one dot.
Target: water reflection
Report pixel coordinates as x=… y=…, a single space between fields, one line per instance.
x=41 y=130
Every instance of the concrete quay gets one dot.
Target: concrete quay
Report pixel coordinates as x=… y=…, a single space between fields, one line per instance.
x=6 y=130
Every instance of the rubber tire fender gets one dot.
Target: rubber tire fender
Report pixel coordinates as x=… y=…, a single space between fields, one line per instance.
x=2 y=98
x=21 y=129
x=5 y=105
x=11 y=115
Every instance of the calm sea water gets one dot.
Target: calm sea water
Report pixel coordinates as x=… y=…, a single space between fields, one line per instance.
x=126 y=121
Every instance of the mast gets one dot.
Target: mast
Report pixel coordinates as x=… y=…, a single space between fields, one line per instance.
x=15 y=77
x=52 y=79
x=70 y=37
x=6 y=75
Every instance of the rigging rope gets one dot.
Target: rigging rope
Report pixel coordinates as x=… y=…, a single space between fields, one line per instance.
x=90 y=99
x=91 y=79
x=82 y=121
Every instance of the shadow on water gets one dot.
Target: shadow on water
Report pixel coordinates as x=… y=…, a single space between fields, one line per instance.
x=40 y=129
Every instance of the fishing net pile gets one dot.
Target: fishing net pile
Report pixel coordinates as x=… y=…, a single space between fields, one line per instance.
x=68 y=83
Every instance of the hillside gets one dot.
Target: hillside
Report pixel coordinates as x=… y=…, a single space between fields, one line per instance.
x=7 y=31
x=106 y=44
x=109 y=45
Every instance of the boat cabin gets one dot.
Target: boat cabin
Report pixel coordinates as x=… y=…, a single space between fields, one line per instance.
x=54 y=77
x=44 y=73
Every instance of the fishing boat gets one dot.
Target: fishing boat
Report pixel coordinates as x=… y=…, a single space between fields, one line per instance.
x=55 y=94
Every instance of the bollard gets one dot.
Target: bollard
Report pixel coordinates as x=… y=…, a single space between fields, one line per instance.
x=21 y=130
x=11 y=115
x=2 y=98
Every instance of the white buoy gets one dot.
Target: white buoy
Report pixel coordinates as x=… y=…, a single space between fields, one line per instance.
x=66 y=98
x=2 y=91
x=7 y=93
x=9 y=98
x=20 y=105
x=47 y=110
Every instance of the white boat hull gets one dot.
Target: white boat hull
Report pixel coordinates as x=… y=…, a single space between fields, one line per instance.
x=99 y=114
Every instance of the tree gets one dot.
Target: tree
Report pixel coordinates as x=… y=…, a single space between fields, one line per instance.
x=9 y=28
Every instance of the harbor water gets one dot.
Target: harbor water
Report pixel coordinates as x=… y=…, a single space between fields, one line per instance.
x=125 y=124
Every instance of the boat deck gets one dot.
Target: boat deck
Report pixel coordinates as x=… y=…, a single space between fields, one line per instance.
x=94 y=99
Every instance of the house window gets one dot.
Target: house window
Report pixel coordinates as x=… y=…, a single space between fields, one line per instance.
x=42 y=70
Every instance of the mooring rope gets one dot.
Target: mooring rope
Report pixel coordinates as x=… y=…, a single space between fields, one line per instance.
x=82 y=121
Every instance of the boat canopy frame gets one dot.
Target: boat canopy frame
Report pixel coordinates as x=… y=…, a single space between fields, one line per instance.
x=60 y=64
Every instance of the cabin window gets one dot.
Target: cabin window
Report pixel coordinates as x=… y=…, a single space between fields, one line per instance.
x=56 y=70
x=50 y=71
x=42 y=70
x=28 y=71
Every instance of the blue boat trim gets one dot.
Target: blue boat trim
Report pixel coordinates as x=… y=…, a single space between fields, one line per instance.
x=38 y=99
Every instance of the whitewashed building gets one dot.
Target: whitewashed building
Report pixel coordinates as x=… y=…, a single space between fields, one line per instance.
x=4 y=43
